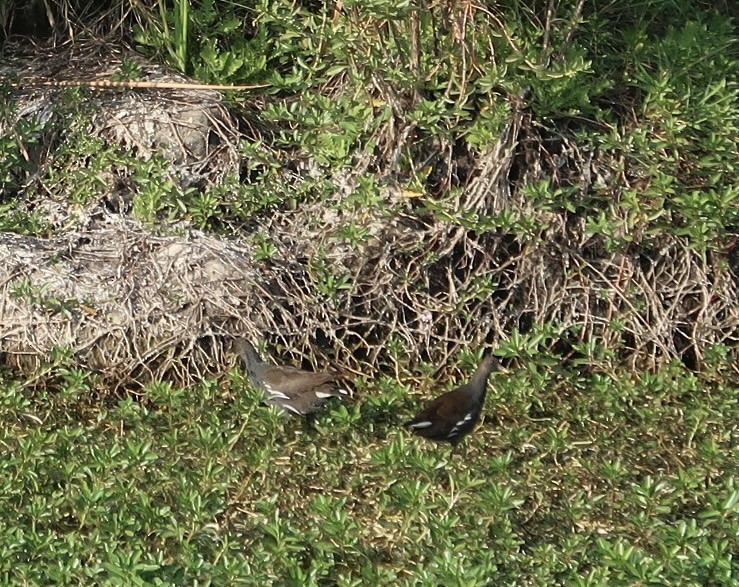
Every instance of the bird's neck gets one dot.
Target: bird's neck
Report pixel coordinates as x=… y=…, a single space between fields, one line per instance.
x=477 y=389
x=479 y=381
x=252 y=359
x=480 y=377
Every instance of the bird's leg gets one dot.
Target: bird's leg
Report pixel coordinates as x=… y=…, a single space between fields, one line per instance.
x=309 y=423
x=466 y=450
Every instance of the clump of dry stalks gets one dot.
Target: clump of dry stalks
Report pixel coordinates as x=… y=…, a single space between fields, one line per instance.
x=137 y=307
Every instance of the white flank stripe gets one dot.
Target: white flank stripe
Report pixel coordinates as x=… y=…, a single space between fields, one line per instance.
x=322 y=395
x=455 y=430
x=421 y=425
x=293 y=409
x=274 y=393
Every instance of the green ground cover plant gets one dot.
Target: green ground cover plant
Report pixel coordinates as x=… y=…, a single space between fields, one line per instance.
x=588 y=469
x=577 y=476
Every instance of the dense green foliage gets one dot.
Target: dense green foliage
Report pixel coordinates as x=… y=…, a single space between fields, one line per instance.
x=584 y=472
x=576 y=477
x=652 y=81
x=652 y=84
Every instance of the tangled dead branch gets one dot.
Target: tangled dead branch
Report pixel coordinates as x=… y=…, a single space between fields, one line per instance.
x=134 y=307
x=192 y=130
x=420 y=284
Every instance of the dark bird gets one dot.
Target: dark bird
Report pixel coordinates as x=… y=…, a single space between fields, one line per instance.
x=294 y=390
x=452 y=416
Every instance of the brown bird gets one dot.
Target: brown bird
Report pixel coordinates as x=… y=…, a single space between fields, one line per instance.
x=452 y=416
x=294 y=390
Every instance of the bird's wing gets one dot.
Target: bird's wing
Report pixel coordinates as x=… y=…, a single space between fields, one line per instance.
x=443 y=419
x=290 y=381
x=433 y=416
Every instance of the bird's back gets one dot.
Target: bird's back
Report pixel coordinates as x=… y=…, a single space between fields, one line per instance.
x=291 y=380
